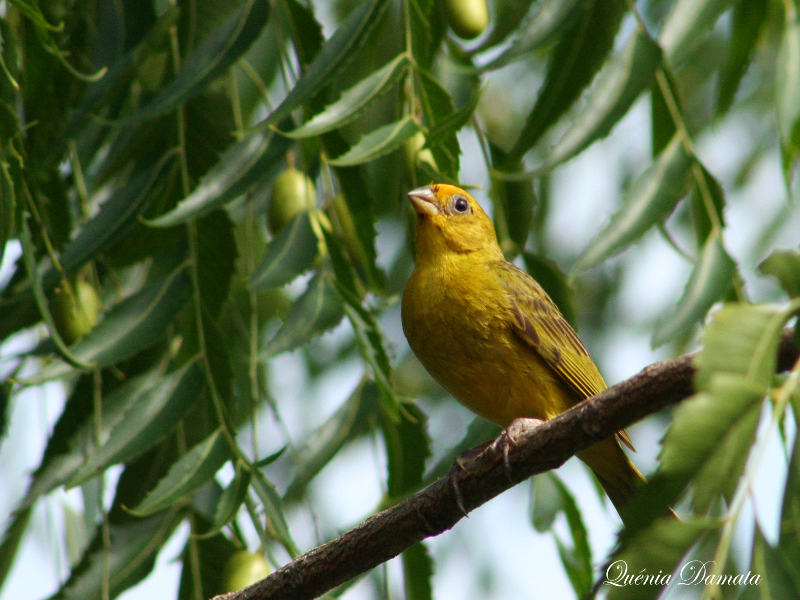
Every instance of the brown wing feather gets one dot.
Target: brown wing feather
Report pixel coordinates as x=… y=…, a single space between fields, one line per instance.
x=540 y=324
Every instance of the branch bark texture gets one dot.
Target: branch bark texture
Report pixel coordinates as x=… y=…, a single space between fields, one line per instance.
x=479 y=477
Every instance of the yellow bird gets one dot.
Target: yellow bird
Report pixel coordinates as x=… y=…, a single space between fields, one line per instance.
x=491 y=336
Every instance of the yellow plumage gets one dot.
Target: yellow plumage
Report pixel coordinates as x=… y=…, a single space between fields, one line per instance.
x=491 y=336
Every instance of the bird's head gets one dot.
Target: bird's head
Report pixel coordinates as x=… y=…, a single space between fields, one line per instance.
x=450 y=220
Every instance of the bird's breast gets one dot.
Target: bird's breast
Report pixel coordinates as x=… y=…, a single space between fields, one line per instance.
x=458 y=323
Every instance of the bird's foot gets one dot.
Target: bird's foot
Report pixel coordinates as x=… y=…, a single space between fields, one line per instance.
x=510 y=436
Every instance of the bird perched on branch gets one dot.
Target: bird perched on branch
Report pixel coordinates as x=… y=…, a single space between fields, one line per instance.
x=492 y=337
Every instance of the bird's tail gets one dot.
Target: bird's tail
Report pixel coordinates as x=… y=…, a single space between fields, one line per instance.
x=614 y=471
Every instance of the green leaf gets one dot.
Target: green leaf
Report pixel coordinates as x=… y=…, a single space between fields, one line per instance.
x=354 y=100
x=784 y=265
x=8 y=206
x=749 y=19
x=230 y=501
x=654 y=552
x=245 y=163
x=706 y=214
x=273 y=509
x=662 y=124
x=418 y=572
x=212 y=554
x=722 y=470
x=306 y=33
x=193 y=469
x=548 y=19
x=134 y=324
x=575 y=60
x=333 y=56
x=381 y=141
x=773 y=570
x=687 y=25
x=438 y=105
x=546 y=501
x=12 y=536
x=218 y=51
x=445 y=127
x=623 y=78
x=649 y=200
x=427 y=27
x=76 y=431
x=134 y=546
x=517 y=200
x=789 y=540
x=555 y=283
x=350 y=420
x=407 y=448
x=139 y=421
x=509 y=16
x=709 y=282
x=550 y=497
x=787 y=92
x=315 y=312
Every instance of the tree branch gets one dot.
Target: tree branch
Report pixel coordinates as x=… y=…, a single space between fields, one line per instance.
x=480 y=476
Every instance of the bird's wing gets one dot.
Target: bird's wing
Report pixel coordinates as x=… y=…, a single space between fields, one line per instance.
x=539 y=323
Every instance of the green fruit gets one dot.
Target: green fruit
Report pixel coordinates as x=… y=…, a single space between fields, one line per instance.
x=75 y=314
x=413 y=153
x=467 y=18
x=292 y=193
x=243 y=569
x=343 y=222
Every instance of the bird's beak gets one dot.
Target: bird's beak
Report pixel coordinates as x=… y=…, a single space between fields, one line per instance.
x=424 y=201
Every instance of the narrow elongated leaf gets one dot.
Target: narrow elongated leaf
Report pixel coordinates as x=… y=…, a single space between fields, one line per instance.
x=273 y=508
x=509 y=16
x=139 y=426
x=547 y=20
x=116 y=217
x=437 y=106
x=453 y=123
x=618 y=85
x=575 y=60
x=784 y=265
x=517 y=200
x=134 y=546
x=195 y=468
x=12 y=536
x=707 y=215
x=787 y=93
x=8 y=204
x=290 y=254
x=749 y=19
x=418 y=572
x=687 y=24
x=256 y=157
x=407 y=448
x=774 y=577
x=315 y=312
x=709 y=282
x=378 y=142
x=334 y=55
x=354 y=100
x=655 y=551
x=60 y=467
x=209 y=60
x=427 y=27
x=133 y=325
x=721 y=472
x=306 y=33
x=550 y=496
x=231 y=500
x=649 y=201
x=789 y=540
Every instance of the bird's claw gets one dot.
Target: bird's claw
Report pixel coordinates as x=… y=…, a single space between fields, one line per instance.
x=510 y=436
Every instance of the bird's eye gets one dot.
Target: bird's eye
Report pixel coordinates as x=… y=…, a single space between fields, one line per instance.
x=460 y=204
